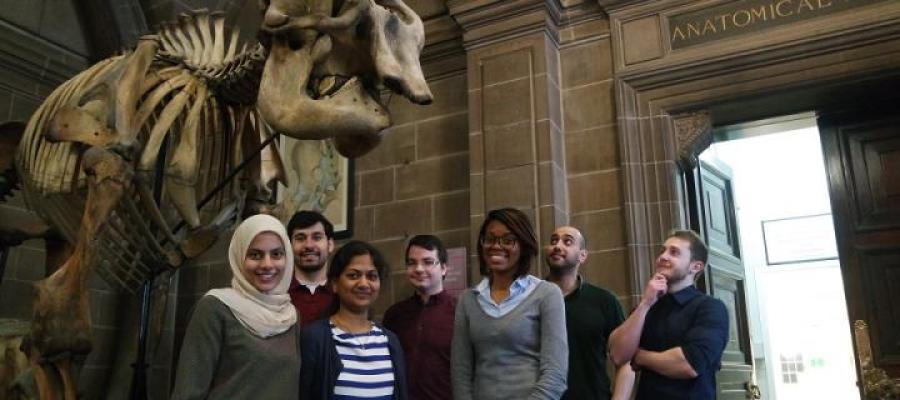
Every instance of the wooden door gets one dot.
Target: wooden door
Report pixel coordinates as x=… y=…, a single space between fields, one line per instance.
x=724 y=277
x=862 y=156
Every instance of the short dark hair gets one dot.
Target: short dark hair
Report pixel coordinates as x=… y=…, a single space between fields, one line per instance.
x=306 y=218
x=517 y=223
x=353 y=248
x=430 y=243
x=699 y=251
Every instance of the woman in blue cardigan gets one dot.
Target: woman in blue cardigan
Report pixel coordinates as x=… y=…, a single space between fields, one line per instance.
x=347 y=356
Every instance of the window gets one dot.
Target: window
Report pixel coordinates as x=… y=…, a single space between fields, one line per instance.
x=791 y=366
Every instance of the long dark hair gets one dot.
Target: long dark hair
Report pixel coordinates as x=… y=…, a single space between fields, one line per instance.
x=342 y=258
x=517 y=223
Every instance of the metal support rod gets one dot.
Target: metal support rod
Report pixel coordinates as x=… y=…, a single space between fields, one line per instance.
x=4 y=252
x=139 y=379
x=209 y=196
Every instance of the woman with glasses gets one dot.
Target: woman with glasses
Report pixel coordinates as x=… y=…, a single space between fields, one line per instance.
x=510 y=330
x=243 y=342
x=347 y=356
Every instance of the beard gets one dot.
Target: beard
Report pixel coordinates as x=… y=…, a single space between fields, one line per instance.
x=674 y=274
x=677 y=277
x=306 y=267
x=561 y=265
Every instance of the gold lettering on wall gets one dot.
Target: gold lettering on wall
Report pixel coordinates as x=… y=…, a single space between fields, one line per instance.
x=746 y=16
x=805 y=5
x=782 y=13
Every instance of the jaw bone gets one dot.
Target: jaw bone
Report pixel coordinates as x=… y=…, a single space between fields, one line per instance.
x=287 y=106
x=378 y=38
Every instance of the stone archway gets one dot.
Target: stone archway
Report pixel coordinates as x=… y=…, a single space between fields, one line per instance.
x=667 y=100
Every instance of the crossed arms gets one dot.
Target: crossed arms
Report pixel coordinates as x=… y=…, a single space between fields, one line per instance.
x=699 y=352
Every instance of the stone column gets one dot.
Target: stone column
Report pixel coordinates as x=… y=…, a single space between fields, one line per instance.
x=515 y=130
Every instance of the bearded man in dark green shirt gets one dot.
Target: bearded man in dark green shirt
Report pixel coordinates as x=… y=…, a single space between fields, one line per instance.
x=592 y=313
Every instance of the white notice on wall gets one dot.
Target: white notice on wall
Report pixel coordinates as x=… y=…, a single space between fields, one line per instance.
x=455 y=282
x=799 y=239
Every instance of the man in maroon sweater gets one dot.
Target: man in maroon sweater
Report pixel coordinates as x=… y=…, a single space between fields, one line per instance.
x=312 y=240
x=424 y=322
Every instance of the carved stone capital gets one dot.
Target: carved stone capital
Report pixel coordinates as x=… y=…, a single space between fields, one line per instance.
x=440 y=29
x=693 y=134
x=443 y=37
x=488 y=21
x=609 y=4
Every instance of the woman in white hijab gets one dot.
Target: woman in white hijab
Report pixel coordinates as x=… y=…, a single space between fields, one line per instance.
x=243 y=342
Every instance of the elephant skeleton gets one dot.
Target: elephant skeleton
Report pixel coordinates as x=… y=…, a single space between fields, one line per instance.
x=119 y=156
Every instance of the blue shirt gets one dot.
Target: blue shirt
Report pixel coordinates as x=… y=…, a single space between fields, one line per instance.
x=699 y=325
x=518 y=291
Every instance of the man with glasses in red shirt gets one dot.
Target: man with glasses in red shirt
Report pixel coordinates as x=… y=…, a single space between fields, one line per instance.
x=424 y=322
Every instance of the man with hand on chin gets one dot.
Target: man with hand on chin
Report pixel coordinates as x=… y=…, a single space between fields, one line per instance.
x=424 y=322
x=312 y=241
x=592 y=313
x=676 y=335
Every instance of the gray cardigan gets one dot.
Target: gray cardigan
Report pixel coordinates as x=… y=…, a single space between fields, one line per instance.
x=521 y=355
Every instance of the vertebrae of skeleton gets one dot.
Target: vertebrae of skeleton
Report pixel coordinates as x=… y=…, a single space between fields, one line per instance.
x=198 y=42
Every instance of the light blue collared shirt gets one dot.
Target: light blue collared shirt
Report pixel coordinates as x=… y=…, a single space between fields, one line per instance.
x=518 y=291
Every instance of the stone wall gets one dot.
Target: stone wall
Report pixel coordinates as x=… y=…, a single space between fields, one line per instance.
x=416 y=181
x=592 y=158
x=543 y=125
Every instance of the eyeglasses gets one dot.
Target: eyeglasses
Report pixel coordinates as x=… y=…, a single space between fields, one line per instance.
x=507 y=241
x=424 y=263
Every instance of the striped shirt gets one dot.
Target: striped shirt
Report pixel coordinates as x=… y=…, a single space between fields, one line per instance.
x=367 y=371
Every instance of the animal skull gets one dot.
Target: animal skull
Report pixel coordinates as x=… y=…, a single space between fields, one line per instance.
x=324 y=72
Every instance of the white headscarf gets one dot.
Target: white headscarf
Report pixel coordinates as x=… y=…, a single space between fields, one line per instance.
x=264 y=314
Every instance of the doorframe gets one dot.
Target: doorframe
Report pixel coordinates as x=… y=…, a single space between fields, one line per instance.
x=668 y=101
x=666 y=106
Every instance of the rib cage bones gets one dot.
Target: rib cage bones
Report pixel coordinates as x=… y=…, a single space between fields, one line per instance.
x=195 y=120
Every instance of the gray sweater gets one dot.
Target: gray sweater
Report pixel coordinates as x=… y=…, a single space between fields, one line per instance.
x=521 y=355
x=221 y=359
